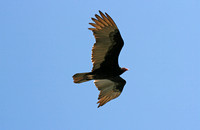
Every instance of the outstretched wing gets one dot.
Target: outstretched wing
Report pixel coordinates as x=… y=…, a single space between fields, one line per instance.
x=109 y=43
x=109 y=89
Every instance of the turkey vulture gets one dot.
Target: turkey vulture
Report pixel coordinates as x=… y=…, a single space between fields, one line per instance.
x=105 y=53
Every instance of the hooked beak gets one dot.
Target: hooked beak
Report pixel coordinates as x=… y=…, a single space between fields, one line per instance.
x=126 y=69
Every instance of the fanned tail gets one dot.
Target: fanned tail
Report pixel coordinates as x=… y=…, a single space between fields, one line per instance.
x=82 y=77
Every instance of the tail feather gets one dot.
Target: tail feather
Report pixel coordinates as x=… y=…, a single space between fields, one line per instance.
x=82 y=77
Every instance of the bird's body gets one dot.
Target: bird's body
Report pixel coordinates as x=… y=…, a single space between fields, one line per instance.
x=105 y=53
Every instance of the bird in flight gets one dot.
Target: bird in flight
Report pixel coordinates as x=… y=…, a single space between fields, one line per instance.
x=105 y=52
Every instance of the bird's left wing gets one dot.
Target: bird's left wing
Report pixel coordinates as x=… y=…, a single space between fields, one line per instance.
x=109 y=89
x=109 y=43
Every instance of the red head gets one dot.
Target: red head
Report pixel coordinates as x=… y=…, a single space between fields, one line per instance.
x=123 y=69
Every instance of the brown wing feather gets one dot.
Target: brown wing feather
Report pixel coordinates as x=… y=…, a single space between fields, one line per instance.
x=108 y=40
x=109 y=89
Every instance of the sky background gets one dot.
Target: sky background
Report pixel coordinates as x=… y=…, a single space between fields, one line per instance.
x=44 y=42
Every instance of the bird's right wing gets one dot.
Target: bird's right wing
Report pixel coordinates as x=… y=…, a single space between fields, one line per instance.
x=109 y=89
x=108 y=44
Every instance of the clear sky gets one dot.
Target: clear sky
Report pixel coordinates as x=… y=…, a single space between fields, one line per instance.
x=44 y=42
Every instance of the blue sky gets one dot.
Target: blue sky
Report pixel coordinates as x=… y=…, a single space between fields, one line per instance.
x=44 y=42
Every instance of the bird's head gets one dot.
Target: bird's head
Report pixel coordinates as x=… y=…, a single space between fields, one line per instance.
x=123 y=69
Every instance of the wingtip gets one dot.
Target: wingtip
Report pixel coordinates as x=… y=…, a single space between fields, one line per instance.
x=107 y=15
x=92 y=29
x=96 y=15
x=93 y=19
x=100 y=11
x=99 y=106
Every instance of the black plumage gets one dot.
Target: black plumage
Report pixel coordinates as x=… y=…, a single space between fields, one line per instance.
x=105 y=54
